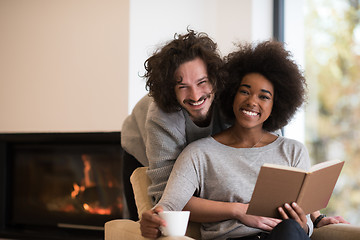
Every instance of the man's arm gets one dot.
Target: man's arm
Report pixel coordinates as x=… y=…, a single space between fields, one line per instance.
x=165 y=140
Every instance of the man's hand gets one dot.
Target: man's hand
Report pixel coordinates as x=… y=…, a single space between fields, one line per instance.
x=150 y=223
x=295 y=212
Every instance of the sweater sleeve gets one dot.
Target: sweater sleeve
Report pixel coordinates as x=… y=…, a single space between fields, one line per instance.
x=133 y=133
x=183 y=182
x=166 y=139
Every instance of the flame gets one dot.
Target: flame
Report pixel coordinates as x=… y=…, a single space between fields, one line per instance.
x=77 y=190
x=95 y=210
x=87 y=182
x=87 y=170
x=86 y=206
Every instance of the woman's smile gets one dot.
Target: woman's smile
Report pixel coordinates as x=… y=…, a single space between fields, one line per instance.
x=250 y=113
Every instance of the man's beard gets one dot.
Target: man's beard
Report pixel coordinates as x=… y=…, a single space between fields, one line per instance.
x=207 y=96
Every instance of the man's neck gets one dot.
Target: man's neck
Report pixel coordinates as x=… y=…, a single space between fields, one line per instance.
x=205 y=121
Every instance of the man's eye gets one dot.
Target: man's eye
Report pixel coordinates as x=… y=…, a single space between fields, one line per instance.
x=202 y=82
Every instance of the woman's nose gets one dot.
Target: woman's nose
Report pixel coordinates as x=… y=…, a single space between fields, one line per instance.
x=251 y=101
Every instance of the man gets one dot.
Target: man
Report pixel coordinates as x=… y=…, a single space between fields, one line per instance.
x=183 y=78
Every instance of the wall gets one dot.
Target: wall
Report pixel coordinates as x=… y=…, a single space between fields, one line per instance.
x=63 y=65
x=152 y=23
x=74 y=65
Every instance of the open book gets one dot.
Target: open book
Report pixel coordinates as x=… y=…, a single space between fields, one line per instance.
x=277 y=185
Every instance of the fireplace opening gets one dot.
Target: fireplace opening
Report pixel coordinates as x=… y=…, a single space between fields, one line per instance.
x=68 y=185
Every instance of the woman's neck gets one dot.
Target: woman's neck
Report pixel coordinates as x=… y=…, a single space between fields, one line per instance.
x=239 y=137
x=245 y=137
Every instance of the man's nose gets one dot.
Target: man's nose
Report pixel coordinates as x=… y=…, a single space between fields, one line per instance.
x=195 y=93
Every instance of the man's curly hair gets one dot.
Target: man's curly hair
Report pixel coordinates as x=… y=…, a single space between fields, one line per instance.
x=271 y=60
x=160 y=67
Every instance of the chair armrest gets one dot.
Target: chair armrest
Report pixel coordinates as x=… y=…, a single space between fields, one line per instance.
x=337 y=231
x=124 y=229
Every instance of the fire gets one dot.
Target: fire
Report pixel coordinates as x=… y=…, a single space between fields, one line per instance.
x=94 y=205
x=95 y=210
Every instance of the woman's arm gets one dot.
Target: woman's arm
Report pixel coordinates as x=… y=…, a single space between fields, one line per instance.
x=204 y=210
x=150 y=223
x=326 y=220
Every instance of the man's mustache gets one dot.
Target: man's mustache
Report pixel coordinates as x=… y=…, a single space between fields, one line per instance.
x=200 y=99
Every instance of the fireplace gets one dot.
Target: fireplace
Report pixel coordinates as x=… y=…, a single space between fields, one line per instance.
x=60 y=185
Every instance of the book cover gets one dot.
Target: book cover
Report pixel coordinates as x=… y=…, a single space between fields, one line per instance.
x=277 y=185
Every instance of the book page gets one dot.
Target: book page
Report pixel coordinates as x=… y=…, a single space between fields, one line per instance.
x=318 y=187
x=274 y=188
x=322 y=165
x=283 y=167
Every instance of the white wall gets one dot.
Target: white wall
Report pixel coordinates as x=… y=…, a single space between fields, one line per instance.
x=152 y=23
x=63 y=65
x=74 y=65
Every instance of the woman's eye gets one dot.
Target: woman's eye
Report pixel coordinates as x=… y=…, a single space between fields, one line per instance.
x=243 y=92
x=264 y=97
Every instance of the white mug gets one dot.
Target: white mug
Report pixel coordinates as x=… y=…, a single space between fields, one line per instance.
x=176 y=222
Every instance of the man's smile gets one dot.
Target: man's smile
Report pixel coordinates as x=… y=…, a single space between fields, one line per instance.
x=196 y=103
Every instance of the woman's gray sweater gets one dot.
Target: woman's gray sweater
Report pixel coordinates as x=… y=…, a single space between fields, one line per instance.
x=218 y=172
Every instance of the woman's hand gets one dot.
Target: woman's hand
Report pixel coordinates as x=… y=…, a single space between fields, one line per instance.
x=150 y=223
x=263 y=223
x=295 y=212
x=331 y=220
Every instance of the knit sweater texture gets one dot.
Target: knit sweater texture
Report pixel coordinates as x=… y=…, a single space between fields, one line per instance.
x=211 y=170
x=156 y=138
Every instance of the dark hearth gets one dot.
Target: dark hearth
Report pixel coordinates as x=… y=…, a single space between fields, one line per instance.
x=59 y=185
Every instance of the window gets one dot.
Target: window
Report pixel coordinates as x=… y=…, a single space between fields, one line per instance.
x=329 y=52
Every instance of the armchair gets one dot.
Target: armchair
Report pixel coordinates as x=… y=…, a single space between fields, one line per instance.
x=124 y=229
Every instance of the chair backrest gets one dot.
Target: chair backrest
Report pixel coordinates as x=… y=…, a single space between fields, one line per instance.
x=140 y=182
